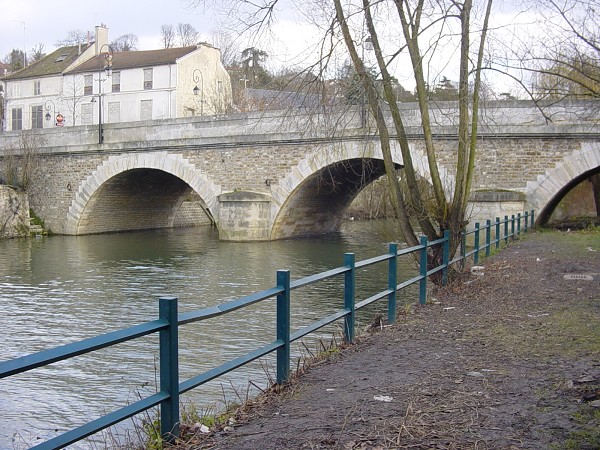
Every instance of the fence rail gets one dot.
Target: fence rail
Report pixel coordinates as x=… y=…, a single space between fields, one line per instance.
x=169 y=321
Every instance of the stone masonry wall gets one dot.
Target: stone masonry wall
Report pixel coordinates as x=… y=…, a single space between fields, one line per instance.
x=508 y=163
x=502 y=164
x=58 y=177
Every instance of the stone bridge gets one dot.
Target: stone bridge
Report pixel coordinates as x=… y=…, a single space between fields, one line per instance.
x=274 y=175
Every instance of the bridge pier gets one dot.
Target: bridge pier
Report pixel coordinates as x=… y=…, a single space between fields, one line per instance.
x=244 y=216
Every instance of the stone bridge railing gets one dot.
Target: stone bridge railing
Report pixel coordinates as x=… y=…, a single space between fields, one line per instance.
x=499 y=118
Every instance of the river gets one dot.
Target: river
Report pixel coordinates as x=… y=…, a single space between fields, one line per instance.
x=59 y=289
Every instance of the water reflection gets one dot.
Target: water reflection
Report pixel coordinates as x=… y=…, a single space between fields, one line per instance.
x=61 y=289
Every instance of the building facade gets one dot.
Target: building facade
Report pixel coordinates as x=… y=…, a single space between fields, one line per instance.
x=90 y=83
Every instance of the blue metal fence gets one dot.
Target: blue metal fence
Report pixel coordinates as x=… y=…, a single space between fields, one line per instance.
x=169 y=321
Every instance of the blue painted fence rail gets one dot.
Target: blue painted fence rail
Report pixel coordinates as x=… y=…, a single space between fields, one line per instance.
x=169 y=321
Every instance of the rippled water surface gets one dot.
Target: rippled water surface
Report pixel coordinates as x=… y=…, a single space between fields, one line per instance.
x=60 y=289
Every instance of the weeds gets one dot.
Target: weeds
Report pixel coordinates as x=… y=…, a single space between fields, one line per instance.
x=588 y=434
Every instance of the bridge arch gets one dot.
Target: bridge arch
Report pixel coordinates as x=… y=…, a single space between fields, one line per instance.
x=548 y=190
x=172 y=164
x=315 y=192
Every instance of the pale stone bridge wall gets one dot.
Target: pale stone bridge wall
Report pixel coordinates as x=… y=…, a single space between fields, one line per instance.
x=269 y=176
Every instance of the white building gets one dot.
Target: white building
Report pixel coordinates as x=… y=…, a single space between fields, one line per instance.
x=90 y=83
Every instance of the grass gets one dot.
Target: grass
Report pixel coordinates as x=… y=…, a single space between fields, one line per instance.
x=568 y=332
x=587 y=437
x=35 y=220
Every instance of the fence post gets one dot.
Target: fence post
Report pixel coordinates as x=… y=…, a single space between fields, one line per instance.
x=476 y=253
x=532 y=219
x=488 y=237
x=423 y=272
x=526 y=221
x=349 y=286
x=512 y=226
x=497 y=240
x=392 y=282
x=505 y=230
x=169 y=369
x=519 y=224
x=283 y=326
x=445 y=257
x=463 y=246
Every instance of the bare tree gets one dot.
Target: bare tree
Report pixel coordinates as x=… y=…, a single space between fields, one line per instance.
x=570 y=63
x=37 y=53
x=423 y=32
x=74 y=37
x=72 y=95
x=559 y=56
x=167 y=33
x=187 y=35
x=227 y=45
x=439 y=213
x=125 y=43
x=18 y=170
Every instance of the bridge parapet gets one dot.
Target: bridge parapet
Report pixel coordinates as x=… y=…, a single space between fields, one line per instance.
x=513 y=118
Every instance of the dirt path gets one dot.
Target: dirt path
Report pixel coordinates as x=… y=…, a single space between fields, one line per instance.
x=507 y=360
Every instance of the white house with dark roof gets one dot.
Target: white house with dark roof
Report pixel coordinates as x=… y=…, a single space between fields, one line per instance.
x=89 y=83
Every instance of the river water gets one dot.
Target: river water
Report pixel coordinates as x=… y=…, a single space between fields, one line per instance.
x=59 y=289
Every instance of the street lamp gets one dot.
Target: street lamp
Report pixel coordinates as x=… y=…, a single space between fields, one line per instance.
x=58 y=117
x=368 y=46
x=197 y=90
x=108 y=56
x=47 y=105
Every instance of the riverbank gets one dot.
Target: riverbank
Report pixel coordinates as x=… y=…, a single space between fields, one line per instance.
x=504 y=360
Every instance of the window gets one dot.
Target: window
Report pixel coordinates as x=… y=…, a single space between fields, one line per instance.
x=37 y=117
x=88 y=85
x=86 y=113
x=116 y=82
x=114 y=112
x=146 y=110
x=37 y=88
x=16 y=90
x=147 y=78
x=17 y=119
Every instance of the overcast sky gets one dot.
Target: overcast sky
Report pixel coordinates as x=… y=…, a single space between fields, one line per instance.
x=25 y=23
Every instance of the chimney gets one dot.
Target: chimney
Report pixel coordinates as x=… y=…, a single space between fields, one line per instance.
x=101 y=37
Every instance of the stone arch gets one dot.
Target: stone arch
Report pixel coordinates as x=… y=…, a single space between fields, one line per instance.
x=544 y=194
x=173 y=164
x=337 y=152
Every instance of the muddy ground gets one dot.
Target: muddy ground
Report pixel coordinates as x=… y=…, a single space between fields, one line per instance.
x=505 y=360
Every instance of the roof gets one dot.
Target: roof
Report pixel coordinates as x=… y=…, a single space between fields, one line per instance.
x=52 y=64
x=133 y=59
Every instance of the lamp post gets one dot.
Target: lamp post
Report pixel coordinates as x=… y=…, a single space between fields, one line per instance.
x=58 y=117
x=368 y=46
x=107 y=68
x=197 y=76
x=47 y=105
